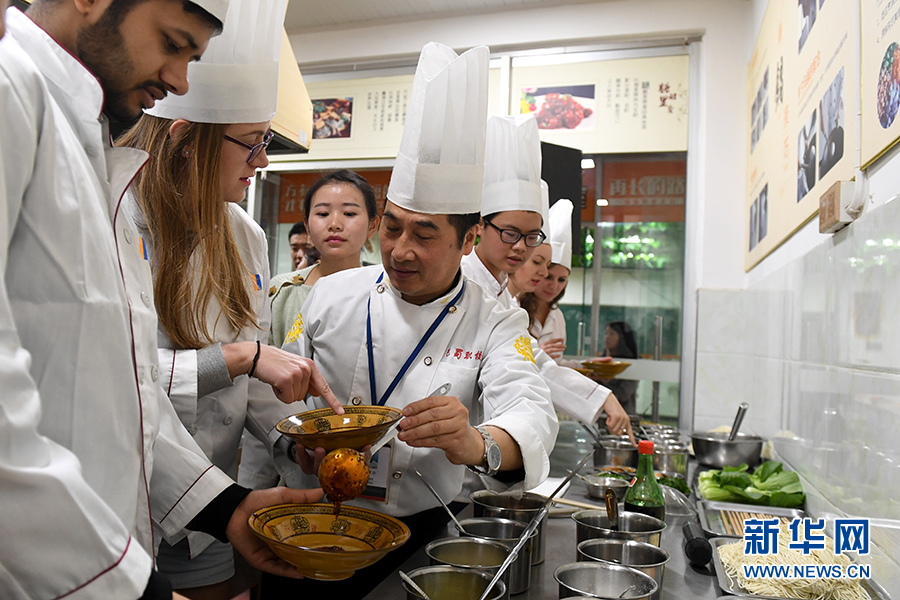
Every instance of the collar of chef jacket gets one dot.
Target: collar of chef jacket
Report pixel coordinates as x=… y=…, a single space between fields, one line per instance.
x=76 y=88
x=447 y=297
x=478 y=272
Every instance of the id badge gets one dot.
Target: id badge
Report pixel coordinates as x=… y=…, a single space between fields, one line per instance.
x=379 y=476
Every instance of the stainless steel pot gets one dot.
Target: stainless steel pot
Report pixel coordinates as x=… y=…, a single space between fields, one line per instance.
x=592 y=524
x=646 y=558
x=714 y=449
x=520 y=507
x=442 y=582
x=471 y=553
x=507 y=532
x=615 y=452
x=670 y=458
x=603 y=580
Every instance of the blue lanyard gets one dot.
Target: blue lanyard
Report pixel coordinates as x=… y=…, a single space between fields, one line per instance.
x=415 y=351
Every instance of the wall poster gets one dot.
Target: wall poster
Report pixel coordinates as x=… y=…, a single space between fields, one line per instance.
x=801 y=102
x=880 y=72
x=606 y=106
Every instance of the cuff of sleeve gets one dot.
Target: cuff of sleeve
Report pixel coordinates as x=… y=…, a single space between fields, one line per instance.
x=214 y=517
x=598 y=398
x=212 y=370
x=158 y=588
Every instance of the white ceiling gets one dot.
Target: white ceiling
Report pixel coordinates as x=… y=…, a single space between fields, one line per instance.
x=306 y=16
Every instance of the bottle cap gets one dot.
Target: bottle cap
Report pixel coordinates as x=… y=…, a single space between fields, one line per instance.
x=645 y=447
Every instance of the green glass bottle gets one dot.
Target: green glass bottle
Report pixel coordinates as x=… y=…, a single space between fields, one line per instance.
x=645 y=495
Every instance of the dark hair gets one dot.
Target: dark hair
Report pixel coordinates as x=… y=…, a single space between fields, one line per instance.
x=344 y=176
x=297 y=229
x=462 y=224
x=627 y=347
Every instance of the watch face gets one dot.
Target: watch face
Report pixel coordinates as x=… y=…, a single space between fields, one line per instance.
x=493 y=457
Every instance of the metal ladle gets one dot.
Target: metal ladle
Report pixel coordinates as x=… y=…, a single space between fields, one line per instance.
x=447 y=508
x=738 y=419
x=414 y=585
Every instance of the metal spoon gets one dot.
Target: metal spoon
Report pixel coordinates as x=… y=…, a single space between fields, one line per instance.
x=628 y=589
x=416 y=587
x=447 y=508
x=738 y=419
x=392 y=431
x=590 y=430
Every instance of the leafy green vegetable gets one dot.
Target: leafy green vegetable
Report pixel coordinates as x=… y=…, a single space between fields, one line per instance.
x=769 y=485
x=675 y=482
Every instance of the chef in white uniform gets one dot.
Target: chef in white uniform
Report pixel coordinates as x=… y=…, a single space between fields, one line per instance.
x=92 y=455
x=235 y=89
x=392 y=335
x=515 y=197
x=554 y=326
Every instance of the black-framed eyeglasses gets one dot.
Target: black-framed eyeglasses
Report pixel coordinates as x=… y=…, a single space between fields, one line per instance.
x=254 y=150
x=511 y=236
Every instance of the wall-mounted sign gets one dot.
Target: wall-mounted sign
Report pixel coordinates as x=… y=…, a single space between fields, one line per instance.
x=609 y=106
x=880 y=73
x=801 y=102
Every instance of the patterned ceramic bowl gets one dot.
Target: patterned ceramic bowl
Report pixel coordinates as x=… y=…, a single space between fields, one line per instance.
x=604 y=369
x=358 y=427
x=324 y=547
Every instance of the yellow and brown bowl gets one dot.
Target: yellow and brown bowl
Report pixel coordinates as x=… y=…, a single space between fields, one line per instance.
x=358 y=427
x=603 y=369
x=323 y=546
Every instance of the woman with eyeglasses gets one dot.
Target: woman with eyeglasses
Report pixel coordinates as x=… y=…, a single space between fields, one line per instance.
x=209 y=260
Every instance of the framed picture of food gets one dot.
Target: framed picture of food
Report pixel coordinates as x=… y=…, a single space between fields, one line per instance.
x=332 y=118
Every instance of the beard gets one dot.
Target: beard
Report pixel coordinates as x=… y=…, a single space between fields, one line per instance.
x=102 y=49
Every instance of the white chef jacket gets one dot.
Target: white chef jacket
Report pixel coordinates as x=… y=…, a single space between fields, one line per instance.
x=554 y=327
x=83 y=420
x=572 y=393
x=480 y=348
x=217 y=420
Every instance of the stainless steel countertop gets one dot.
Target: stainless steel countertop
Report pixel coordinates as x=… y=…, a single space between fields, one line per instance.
x=680 y=580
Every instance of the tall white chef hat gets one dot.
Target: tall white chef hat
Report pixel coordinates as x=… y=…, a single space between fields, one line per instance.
x=440 y=164
x=237 y=80
x=545 y=207
x=561 y=233
x=512 y=165
x=217 y=8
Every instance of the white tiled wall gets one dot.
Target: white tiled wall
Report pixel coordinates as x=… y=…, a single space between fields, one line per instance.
x=814 y=348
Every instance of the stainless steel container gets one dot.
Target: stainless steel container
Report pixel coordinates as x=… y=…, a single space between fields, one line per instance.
x=442 y=582
x=646 y=558
x=604 y=580
x=471 y=553
x=670 y=458
x=519 y=507
x=714 y=449
x=507 y=532
x=592 y=524
x=597 y=487
x=615 y=452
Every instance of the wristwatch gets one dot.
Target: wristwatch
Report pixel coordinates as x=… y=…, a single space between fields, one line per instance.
x=490 y=462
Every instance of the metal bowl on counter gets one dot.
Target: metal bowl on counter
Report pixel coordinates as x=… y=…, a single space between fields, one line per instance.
x=603 y=580
x=507 y=532
x=597 y=486
x=593 y=524
x=646 y=558
x=615 y=451
x=714 y=449
x=442 y=582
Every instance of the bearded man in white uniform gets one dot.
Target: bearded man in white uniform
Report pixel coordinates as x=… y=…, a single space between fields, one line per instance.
x=94 y=464
x=394 y=334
